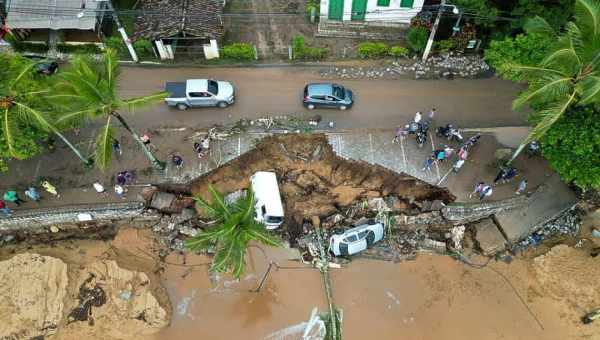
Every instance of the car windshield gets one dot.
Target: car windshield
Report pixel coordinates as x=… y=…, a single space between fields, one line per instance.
x=213 y=87
x=338 y=91
x=351 y=238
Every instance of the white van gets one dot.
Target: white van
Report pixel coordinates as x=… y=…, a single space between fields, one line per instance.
x=268 y=206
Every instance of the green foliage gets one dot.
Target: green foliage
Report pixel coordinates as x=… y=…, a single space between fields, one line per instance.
x=446 y=45
x=238 y=51
x=572 y=147
x=81 y=49
x=234 y=228
x=23 y=46
x=567 y=76
x=310 y=4
x=524 y=49
x=301 y=51
x=484 y=11
x=372 y=50
x=89 y=90
x=417 y=38
x=556 y=12
x=398 y=51
x=116 y=43
x=22 y=123
x=143 y=48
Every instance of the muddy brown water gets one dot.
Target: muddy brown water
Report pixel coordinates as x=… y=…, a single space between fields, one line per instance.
x=433 y=297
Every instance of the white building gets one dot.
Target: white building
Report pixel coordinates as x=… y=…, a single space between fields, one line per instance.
x=376 y=12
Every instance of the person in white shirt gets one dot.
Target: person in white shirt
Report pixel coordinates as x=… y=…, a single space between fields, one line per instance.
x=418 y=117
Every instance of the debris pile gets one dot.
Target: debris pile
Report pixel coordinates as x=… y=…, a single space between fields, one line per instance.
x=447 y=65
x=317 y=185
x=566 y=224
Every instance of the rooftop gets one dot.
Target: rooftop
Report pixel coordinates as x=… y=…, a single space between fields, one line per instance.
x=52 y=14
x=170 y=18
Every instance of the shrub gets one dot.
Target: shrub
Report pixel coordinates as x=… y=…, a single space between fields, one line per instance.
x=143 y=48
x=314 y=53
x=398 y=51
x=372 y=50
x=300 y=51
x=417 y=39
x=116 y=43
x=238 y=51
x=21 y=46
x=446 y=45
x=82 y=49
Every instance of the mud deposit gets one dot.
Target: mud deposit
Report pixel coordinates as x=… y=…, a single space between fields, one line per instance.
x=433 y=297
x=315 y=182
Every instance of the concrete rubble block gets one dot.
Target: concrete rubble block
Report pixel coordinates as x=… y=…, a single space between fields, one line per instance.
x=185 y=215
x=148 y=192
x=489 y=237
x=162 y=200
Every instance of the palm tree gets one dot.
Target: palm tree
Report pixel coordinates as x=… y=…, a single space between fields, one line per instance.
x=89 y=90
x=569 y=75
x=234 y=227
x=21 y=96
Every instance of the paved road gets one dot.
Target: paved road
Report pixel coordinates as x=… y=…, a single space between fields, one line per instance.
x=379 y=103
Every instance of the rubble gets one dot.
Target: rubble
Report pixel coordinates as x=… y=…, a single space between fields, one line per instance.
x=488 y=237
x=446 y=65
x=566 y=224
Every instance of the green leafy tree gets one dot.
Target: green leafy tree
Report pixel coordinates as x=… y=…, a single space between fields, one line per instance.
x=89 y=90
x=483 y=11
x=234 y=228
x=524 y=49
x=569 y=74
x=572 y=147
x=556 y=12
x=22 y=97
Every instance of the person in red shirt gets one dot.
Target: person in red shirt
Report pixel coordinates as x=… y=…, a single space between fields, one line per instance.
x=4 y=209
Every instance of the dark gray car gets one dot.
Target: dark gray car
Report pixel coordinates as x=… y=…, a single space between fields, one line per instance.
x=327 y=95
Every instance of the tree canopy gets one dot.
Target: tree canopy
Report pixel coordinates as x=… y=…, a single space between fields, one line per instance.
x=234 y=228
x=572 y=147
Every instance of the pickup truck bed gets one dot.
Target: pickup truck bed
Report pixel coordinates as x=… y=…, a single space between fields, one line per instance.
x=176 y=89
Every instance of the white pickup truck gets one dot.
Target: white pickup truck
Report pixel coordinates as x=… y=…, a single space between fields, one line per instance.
x=198 y=93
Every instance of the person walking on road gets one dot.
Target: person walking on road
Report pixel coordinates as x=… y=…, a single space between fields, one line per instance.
x=116 y=146
x=120 y=191
x=50 y=188
x=177 y=161
x=457 y=165
x=478 y=188
x=148 y=142
x=486 y=191
x=12 y=196
x=428 y=164
x=400 y=134
x=432 y=113
x=463 y=153
x=33 y=194
x=522 y=186
x=4 y=209
x=418 y=117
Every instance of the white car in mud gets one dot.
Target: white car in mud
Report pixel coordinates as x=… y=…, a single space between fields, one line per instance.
x=355 y=240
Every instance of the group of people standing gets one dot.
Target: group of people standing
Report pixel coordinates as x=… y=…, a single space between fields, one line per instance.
x=12 y=196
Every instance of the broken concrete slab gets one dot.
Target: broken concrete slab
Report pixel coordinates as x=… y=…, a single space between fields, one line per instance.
x=162 y=200
x=550 y=200
x=489 y=237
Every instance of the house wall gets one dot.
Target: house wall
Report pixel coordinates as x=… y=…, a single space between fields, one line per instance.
x=392 y=13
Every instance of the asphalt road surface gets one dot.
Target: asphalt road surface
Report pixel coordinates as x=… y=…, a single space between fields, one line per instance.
x=277 y=90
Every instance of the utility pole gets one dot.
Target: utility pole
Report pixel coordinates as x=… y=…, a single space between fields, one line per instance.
x=433 y=30
x=122 y=31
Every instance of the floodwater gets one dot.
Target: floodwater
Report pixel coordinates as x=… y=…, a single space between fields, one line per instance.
x=433 y=297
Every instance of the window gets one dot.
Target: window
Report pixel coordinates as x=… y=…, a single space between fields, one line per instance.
x=330 y=98
x=318 y=97
x=362 y=234
x=383 y=3
x=274 y=219
x=199 y=94
x=264 y=210
x=351 y=238
x=213 y=87
x=406 y=3
x=339 y=91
